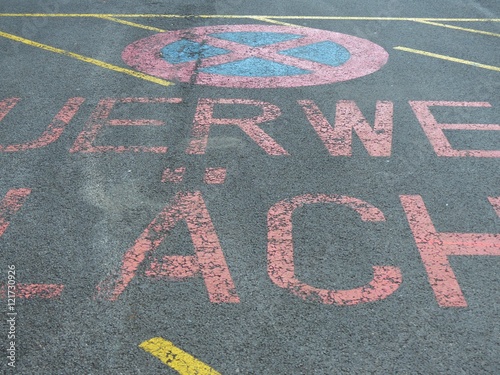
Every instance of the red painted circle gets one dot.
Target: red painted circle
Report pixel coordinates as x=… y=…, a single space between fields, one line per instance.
x=144 y=55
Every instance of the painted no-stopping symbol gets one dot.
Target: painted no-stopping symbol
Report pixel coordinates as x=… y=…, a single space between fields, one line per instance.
x=255 y=56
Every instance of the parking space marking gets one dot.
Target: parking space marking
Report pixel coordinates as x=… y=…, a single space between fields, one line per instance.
x=229 y=16
x=270 y=20
x=458 y=28
x=175 y=358
x=448 y=58
x=133 y=24
x=86 y=59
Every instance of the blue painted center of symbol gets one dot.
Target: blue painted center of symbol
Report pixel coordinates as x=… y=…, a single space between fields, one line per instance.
x=256 y=39
x=327 y=53
x=254 y=67
x=186 y=50
x=183 y=51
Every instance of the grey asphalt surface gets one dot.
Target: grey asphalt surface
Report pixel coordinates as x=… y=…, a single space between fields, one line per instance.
x=86 y=210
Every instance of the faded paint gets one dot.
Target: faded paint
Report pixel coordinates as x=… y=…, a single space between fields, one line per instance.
x=100 y=118
x=174 y=176
x=434 y=130
x=435 y=248
x=53 y=131
x=208 y=261
x=28 y=291
x=214 y=176
x=365 y=57
x=348 y=117
x=204 y=119
x=10 y=204
x=280 y=254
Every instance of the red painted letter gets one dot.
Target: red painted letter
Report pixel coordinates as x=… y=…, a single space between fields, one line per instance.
x=338 y=139
x=208 y=261
x=100 y=118
x=434 y=131
x=203 y=119
x=435 y=248
x=9 y=205
x=281 y=268
x=53 y=131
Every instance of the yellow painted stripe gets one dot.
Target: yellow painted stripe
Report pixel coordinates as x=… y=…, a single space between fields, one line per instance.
x=458 y=28
x=128 y=23
x=269 y=20
x=175 y=358
x=448 y=58
x=346 y=18
x=86 y=59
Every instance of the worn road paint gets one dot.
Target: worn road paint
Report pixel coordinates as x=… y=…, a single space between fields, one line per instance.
x=214 y=176
x=175 y=358
x=280 y=254
x=208 y=261
x=264 y=65
x=448 y=58
x=435 y=248
x=28 y=291
x=100 y=118
x=348 y=117
x=434 y=130
x=204 y=119
x=6 y=105
x=458 y=28
x=230 y=16
x=270 y=20
x=10 y=204
x=174 y=176
x=86 y=59
x=495 y=202
x=53 y=131
x=133 y=24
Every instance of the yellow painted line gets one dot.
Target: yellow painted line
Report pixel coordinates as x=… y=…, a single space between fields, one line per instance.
x=345 y=18
x=175 y=358
x=128 y=23
x=269 y=20
x=448 y=58
x=459 y=28
x=86 y=59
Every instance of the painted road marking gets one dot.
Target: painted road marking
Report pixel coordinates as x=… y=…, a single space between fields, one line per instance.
x=434 y=130
x=208 y=262
x=53 y=131
x=448 y=58
x=99 y=120
x=177 y=359
x=212 y=176
x=174 y=176
x=280 y=254
x=337 y=136
x=28 y=291
x=459 y=28
x=86 y=59
x=255 y=56
x=348 y=118
x=270 y=20
x=133 y=24
x=10 y=204
x=229 y=16
x=204 y=119
x=215 y=176
x=436 y=247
